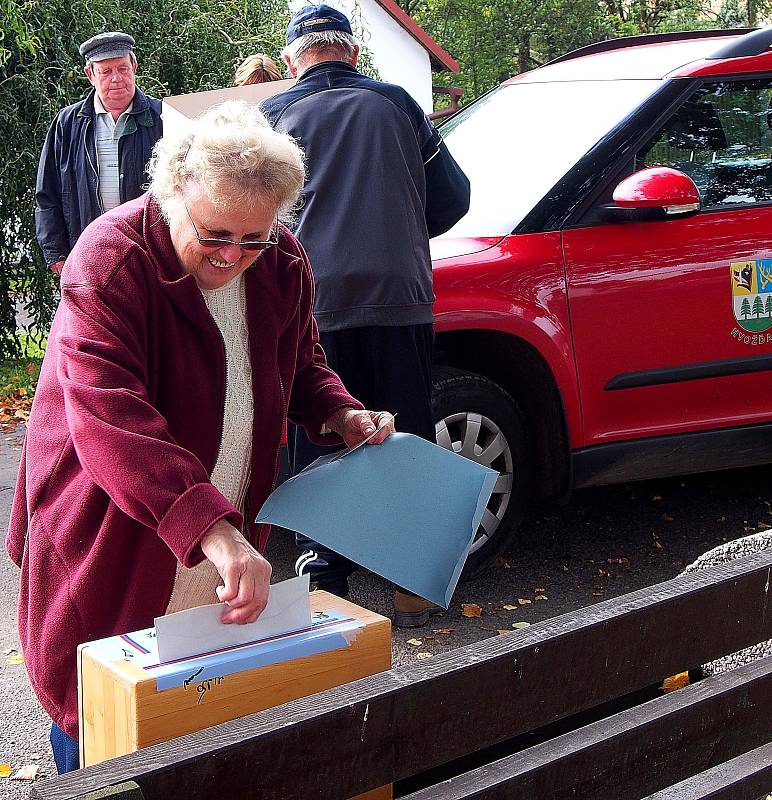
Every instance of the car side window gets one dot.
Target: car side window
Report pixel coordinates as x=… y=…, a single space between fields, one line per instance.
x=721 y=137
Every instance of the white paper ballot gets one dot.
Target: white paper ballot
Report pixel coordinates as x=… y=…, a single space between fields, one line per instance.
x=199 y=630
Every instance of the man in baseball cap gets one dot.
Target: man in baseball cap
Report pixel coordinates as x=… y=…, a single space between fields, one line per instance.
x=108 y=139
x=314 y=19
x=380 y=183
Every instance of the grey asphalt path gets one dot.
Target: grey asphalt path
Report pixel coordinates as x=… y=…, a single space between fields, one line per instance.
x=23 y=725
x=605 y=543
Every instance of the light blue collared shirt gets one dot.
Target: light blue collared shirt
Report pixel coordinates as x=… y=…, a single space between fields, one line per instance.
x=107 y=132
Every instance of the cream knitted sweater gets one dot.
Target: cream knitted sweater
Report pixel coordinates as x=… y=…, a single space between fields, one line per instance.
x=227 y=305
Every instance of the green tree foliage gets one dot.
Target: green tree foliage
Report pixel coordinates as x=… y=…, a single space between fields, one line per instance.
x=496 y=39
x=182 y=46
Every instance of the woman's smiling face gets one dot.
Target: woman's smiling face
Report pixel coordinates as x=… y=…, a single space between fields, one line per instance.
x=213 y=267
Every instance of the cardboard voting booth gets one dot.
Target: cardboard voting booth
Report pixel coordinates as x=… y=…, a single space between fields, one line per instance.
x=177 y=109
x=128 y=700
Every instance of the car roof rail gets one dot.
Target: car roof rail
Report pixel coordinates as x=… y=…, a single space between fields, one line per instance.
x=651 y=38
x=752 y=44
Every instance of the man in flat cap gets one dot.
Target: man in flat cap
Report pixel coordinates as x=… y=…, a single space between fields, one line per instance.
x=95 y=154
x=380 y=183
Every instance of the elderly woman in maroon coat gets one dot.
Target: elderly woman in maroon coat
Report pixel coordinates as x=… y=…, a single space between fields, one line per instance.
x=183 y=340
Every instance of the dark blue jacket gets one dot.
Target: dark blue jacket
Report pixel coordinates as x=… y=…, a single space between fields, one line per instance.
x=380 y=183
x=67 y=188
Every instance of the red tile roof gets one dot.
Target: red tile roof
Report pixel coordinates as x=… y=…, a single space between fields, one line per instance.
x=440 y=59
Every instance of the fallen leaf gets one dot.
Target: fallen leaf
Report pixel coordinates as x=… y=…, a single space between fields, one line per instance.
x=422 y=656
x=502 y=632
x=443 y=631
x=502 y=563
x=656 y=497
x=26 y=773
x=15 y=658
x=523 y=602
x=31 y=368
x=675 y=682
x=657 y=544
x=5 y=770
x=509 y=607
x=597 y=594
x=541 y=597
x=415 y=642
x=538 y=590
x=471 y=610
x=521 y=624
x=667 y=518
x=564 y=567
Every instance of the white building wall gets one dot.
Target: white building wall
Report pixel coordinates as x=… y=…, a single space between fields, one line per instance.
x=396 y=54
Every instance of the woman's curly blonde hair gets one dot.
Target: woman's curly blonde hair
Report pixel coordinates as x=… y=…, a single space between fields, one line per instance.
x=234 y=156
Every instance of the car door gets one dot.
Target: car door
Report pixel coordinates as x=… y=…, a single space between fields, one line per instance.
x=672 y=320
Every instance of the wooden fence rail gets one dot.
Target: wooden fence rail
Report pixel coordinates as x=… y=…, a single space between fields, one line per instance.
x=409 y=720
x=747 y=777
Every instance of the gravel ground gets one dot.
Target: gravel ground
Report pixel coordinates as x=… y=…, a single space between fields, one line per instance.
x=606 y=542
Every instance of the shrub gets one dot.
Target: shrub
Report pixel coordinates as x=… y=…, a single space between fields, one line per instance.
x=182 y=46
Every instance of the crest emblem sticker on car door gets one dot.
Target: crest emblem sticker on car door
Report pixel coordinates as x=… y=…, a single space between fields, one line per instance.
x=752 y=294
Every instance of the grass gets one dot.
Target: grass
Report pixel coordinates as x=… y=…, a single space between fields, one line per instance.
x=22 y=372
x=19 y=374
x=18 y=379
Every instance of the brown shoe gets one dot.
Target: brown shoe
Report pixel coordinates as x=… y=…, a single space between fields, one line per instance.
x=411 y=611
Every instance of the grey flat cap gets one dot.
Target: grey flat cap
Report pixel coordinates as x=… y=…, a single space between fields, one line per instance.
x=106 y=45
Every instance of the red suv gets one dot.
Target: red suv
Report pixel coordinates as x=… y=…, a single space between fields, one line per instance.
x=604 y=310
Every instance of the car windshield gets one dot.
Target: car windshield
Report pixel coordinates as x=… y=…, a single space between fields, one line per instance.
x=517 y=142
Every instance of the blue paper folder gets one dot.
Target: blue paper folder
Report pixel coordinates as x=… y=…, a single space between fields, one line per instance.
x=407 y=510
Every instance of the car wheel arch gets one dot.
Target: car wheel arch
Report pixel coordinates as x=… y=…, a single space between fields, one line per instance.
x=521 y=371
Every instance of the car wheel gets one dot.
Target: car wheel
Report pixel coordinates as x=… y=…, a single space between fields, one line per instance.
x=479 y=420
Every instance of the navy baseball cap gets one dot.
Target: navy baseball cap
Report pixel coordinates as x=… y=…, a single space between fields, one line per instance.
x=312 y=19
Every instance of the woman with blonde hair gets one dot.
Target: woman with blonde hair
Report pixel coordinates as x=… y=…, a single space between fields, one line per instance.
x=183 y=339
x=257 y=68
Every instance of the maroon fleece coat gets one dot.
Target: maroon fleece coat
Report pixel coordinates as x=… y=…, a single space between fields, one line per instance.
x=113 y=488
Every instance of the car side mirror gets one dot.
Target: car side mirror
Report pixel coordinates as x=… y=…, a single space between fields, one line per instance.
x=654 y=193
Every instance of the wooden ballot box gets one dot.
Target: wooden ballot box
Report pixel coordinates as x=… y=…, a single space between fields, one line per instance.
x=127 y=700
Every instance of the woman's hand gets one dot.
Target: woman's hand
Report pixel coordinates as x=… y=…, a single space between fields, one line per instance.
x=246 y=574
x=353 y=426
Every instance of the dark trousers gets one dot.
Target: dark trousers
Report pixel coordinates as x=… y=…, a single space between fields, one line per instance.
x=387 y=369
x=65 y=750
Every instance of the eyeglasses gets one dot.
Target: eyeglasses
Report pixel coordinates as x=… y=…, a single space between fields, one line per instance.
x=250 y=245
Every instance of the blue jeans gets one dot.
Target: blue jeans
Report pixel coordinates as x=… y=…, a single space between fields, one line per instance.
x=65 y=750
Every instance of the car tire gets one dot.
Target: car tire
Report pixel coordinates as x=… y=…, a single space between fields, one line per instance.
x=472 y=415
